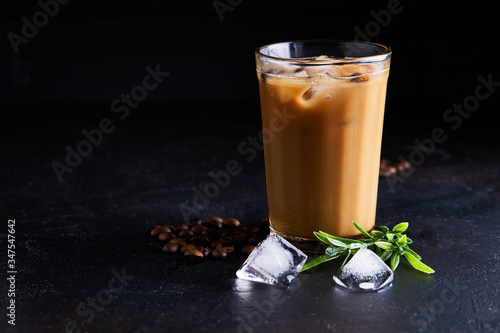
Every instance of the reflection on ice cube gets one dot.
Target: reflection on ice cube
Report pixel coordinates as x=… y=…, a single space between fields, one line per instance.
x=364 y=272
x=274 y=261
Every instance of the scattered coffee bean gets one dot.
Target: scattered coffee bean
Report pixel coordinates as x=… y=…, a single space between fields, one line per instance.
x=165 y=236
x=226 y=240
x=215 y=221
x=185 y=233
x=231 y=222
x=402 y=165
x=178 y=240
x=239 y=239
x=206 y=251
x=244 y=233
x=200 y=248
x=198 y=229
x=256 y=239
x=248 y=248
x=215 y=244
x=210 y=233
x=154 y=226
x=219 y=253
x=187 y=246
x=200 y=240
x=194 y=254
x=170 y=247
x=387 y=169
x=158 y=230
x=252 y=228
x=228 y=249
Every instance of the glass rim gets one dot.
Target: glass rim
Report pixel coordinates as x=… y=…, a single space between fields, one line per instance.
x=312 y=62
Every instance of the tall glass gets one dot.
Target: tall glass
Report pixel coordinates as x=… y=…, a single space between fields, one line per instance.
x=322 y=104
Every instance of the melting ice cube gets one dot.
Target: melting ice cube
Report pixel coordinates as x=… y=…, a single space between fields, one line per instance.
x=274 y=261
x=364 y=272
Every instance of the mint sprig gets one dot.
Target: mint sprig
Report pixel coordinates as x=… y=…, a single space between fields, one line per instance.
x=388 y=244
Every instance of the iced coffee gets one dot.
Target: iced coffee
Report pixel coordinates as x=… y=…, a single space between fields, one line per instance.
x=322 y=106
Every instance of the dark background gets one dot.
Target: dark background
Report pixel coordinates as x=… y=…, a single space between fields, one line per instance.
x=91 y=52
x=70 y=234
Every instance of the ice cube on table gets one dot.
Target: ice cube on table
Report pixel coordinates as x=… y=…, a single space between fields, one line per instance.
x=364 y=272
x=274 y=261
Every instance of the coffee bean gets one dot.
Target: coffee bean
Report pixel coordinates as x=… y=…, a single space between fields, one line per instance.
x=265 y=220
x=256 y=239
x=252 y=228
x=210 y=233
x=179 y=241
x=158 y=230
x=402 y=165
x=198 y=229
x=226 y=240
x=154 y=226
x=239 y=239
x=219 y=253
x=170 y=247
x=228 y=249
x=231 y=222
x=194 y=254
x=205 y=250
x=187 y=246
x=386 y=170
x=392 y=170
x=165 y=236
x=215 y=221
x=200 y=248
x=216 y=243
x=182 y=226
x=200 y=240
x=247 y=248
x=185 y=233
x=244 y=233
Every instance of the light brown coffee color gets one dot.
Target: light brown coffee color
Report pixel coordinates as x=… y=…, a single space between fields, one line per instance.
x=322 y=149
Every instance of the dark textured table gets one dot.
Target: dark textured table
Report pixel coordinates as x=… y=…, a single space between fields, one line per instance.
x=85 y=263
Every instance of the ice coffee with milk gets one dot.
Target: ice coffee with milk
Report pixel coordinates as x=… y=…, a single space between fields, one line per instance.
x=322 y=106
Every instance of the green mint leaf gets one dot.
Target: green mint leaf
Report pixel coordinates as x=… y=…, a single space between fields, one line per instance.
x=321 y=237
x=413 y=253
x=316 y=261
x=385 y=245
x=386 y=255
x=401 y=227
x=357 y=246
x=345 y=240
x=336 y=242
x=345 y=260
x=402 y=240
x=395 y=261
x=418 y=264
x=363 y=231
x=388 y=244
